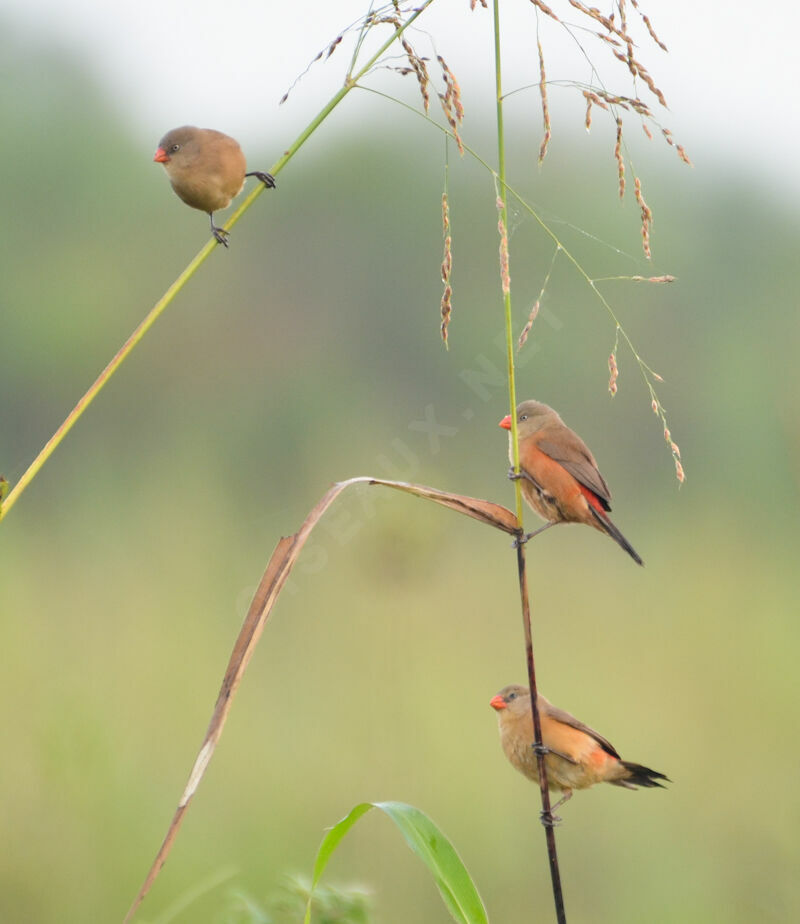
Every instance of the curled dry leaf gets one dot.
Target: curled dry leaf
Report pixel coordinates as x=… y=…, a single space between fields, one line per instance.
x=280 y=565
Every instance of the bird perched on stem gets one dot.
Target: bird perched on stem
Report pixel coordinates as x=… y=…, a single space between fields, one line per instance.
x=560 y=478
x=207 y=170
x=577 y=756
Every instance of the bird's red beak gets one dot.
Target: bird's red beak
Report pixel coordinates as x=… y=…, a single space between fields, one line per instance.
x=498 y=703
x=161 y=156
x=505 y=423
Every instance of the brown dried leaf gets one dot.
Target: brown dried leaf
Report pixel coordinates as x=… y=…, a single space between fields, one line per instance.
x=280 y=565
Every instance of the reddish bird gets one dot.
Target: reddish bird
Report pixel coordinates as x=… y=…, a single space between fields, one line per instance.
x=560 y=478
x=578 y=757
x=206 y=170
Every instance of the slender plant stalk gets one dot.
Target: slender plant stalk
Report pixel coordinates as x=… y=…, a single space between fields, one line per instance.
x=160 y=306
x=547 y=817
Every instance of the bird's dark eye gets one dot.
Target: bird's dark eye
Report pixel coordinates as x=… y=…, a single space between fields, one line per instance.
x=175 y=147
x=511 y=696
x=523 y=416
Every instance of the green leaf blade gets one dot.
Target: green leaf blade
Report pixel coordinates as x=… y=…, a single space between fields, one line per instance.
x=429 y=843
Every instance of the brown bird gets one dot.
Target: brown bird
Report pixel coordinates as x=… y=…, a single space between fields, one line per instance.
x=560 y=478
x=577 y=756
x=206 y=170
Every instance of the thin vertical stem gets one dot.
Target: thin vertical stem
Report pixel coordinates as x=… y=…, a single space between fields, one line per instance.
x=503 y=193
x=540 y=750
x=546 y=816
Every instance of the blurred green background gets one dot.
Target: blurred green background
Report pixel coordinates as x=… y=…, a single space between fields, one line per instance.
x=309 y=353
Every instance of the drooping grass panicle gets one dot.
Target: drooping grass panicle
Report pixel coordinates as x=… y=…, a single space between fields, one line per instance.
x=363 y=24
x=645 y=370
x=614 y=35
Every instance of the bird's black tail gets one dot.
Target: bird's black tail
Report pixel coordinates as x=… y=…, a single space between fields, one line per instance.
x=608 y=527
x=642 y=776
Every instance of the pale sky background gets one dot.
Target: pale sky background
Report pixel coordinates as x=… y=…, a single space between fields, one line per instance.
x=730 y=78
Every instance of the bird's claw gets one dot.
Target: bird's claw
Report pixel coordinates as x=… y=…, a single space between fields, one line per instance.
x=548 y=819
x=266 y=178
x=541 y=749
x=514 y=475
x=520 y=540
x=220 y=235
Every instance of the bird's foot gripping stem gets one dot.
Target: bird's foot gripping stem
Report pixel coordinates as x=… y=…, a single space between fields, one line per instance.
x=266 y=178
x=548 y=819
x=523 y=538
x=220 y=234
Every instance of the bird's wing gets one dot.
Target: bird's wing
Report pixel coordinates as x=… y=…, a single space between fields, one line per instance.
x=559 y=715
x=570 y=451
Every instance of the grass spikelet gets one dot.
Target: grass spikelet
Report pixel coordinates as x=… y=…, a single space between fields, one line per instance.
x=505 y=277
x=645 y=75
x=619 y=159
x=529 y=324
x=613 y=374
x=607 y=23
x=649 y=26
x=420 y=70
x=535 y=309
x=647 y=216
x=451 y=102
x=659 y=411
x=446 y=311
x=545 y=108
x=545 y=9
x=453 y=93
x=447 y=266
